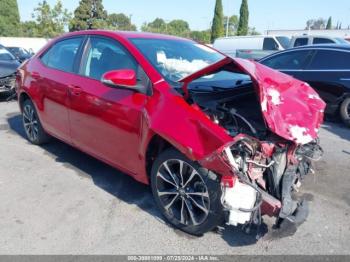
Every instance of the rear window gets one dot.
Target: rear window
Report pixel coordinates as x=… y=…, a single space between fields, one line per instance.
x=270 y=44
x=62 y=55
x=288 y=60
x=300 y=41
x=320 y=40
x=330 y=60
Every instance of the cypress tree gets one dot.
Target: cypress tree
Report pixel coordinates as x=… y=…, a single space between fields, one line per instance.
x=217 y=29
x=243 y=19
x=9 y=18
x=90 y=14
x=329 y=23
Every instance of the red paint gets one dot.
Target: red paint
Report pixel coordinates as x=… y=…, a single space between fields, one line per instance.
x=116 y=125
x=298 y=104
x=228 y=181
x=123 y=77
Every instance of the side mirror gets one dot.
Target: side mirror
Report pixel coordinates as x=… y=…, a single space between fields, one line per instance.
x=120 y=78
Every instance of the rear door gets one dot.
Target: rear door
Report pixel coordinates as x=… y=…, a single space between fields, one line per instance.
x=53 y=76
x=329 y=73
x=106 y=121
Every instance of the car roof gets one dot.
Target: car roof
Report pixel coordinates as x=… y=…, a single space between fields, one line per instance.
x=124 y=34
x=320 y=46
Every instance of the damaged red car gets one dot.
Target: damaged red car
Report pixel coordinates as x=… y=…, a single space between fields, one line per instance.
x=219 y=140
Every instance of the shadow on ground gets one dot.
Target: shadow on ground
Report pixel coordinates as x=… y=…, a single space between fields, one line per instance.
x=338 y=129
x=119 y=184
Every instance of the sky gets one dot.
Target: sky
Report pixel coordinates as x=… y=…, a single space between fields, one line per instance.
x=263 y=14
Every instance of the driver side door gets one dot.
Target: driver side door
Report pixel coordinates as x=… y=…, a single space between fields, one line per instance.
x=106 y=121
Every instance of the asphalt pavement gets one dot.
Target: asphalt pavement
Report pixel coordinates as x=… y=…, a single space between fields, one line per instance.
x=55 y=199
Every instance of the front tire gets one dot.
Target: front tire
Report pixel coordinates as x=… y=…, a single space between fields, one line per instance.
x=32 y=126
x=187 y=194
x=345 y=111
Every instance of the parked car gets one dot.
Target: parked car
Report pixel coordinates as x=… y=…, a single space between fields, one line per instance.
x=217 y=138
x=315 y=40
x=325 y=67
x=251 y=47
x=20 y=53
x=8 y=67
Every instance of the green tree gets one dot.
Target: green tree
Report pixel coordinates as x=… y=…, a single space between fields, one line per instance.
x=120 y=22
x=49 y=22
x=329 y=23
x=178 y=27
x=157 y=26
x=90 y=14
x=217 y=28
x=201 y=36
x=252 y=31
x=9 y=18
x=232 y=25
x=29 y=29
x=315 y=24
x=243 y=24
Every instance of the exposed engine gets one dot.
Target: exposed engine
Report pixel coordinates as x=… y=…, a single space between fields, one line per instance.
x=269 y=168
x=237 y=109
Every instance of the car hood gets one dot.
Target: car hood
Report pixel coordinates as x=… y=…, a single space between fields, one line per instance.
x=8 y=67
x=291 y=108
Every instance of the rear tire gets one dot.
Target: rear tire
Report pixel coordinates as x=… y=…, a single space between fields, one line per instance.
x=189 y=196
x=32 y=126
x=345 y=111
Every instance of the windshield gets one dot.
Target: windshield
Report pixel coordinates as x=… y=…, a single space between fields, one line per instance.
x=5 y=55
x=176 y=59
x=284 y=41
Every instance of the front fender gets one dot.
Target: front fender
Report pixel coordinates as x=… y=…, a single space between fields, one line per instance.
x=184 y=126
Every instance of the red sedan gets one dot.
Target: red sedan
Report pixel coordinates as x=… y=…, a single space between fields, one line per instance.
x=218 y=139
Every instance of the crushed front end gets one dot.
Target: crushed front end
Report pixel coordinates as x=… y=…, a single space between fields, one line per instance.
x=266 y=175
x=7 y=83
x=273 y=120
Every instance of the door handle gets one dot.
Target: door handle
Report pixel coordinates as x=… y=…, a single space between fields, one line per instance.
x=74 y=90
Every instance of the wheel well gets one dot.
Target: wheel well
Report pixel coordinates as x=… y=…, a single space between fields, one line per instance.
x=23 y=97
x=155 y=147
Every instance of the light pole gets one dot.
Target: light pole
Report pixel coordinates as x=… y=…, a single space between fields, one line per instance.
x=130 y=16
x=227 y=20
x=227 y=23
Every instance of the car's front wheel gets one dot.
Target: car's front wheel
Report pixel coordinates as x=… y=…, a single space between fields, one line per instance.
x=31 y=123
x=187 y=194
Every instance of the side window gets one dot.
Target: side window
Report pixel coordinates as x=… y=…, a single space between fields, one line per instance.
x=270 y=44
x=288 y=60
x=62 y=55
x=300 y=41
x=105 y=55
x=319 y=40
x=327 y=59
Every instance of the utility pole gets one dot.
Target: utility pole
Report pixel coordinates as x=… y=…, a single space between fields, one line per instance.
x=227 y=22
x=130 y=16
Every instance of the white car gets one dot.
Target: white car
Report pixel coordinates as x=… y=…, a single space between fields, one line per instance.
x=252 y=47
x=314 y=40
